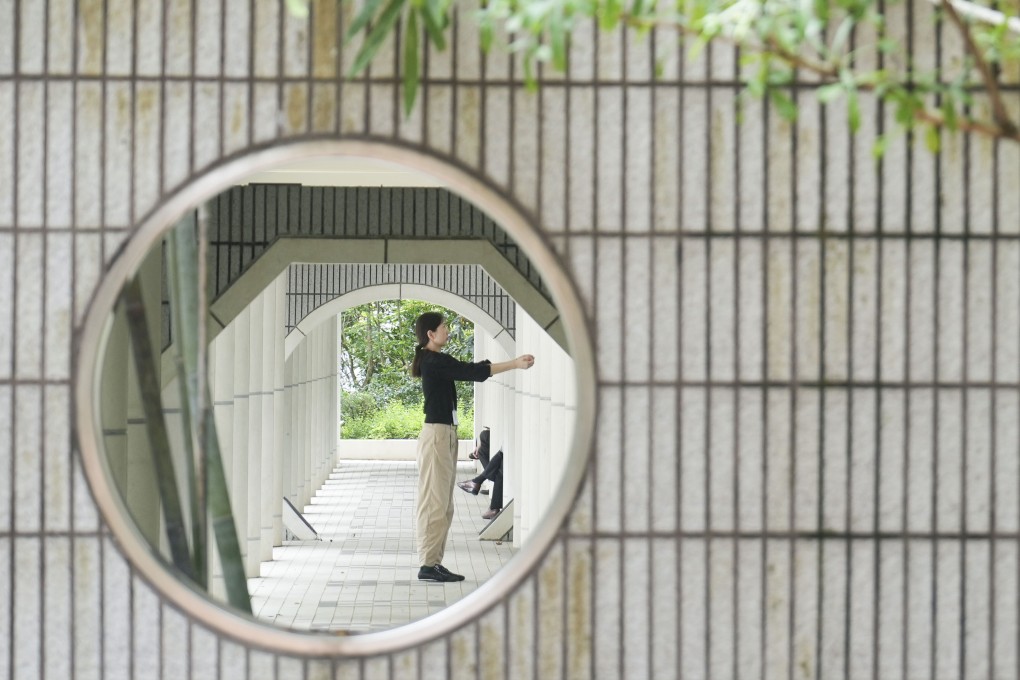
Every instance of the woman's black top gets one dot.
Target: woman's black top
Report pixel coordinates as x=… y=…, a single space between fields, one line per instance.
x=438 y=371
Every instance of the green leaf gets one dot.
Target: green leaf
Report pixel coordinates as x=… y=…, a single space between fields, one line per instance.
x=880 y=146
x=435 y=24
x=609 y=16
x=907 y=105
x=485 y=37
x=377 y=35
x=530 y=82
x=367 y=12
x=829 y=93
x=949 y=113
x=411 y=70
x=784 y=105
x=558 y=42
x=846 y=27
x=933 y=139
x=888 y=46
x=298 y=8
x=697 y=47
x=821 y=9
x=853 y=110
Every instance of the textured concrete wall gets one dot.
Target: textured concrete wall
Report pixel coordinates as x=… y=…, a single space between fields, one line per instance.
x=806 y=458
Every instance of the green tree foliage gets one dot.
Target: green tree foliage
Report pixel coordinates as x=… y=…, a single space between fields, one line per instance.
x=378 y=394
x=847 y=44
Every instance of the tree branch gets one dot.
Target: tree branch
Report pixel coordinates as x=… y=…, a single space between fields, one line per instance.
x=1003 y=128
x=999 y=112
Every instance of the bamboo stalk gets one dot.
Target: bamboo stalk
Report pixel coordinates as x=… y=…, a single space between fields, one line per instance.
x=159 y=442
x=184 y=310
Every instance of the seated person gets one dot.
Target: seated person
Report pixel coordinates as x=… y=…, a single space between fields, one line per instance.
x=493 y=471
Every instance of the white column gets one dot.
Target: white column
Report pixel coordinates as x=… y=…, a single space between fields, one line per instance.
x=319 y=446
x=482 y=389
x=303 y=403
x=279 y=410
x=544 y=454
x=311 y=430
x=239 y=480
x=333 y=387
x=288 y=480
x=268 y=422
x=221 y=368
x=546 y=404
x=254 y=449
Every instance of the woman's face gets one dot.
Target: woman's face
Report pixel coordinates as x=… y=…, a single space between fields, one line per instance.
x=440 y=335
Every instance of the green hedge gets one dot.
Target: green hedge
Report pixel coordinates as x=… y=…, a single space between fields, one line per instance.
x=394 y=421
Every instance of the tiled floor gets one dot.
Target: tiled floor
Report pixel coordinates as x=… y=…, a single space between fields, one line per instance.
x=362 y=575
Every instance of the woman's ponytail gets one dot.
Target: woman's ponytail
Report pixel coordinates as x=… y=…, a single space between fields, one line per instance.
x=429 y=321
x=416 y=364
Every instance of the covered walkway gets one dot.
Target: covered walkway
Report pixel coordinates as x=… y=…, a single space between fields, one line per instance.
x=361 y=575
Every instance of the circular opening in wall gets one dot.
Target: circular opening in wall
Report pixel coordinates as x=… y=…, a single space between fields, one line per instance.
x=245 y=360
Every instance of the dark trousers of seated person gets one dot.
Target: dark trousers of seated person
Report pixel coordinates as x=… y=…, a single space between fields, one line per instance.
x=494 y=472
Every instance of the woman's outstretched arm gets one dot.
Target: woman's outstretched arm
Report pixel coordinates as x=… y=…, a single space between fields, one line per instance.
x=524 y=362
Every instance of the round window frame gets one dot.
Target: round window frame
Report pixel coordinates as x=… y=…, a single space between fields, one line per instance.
x=250 y=630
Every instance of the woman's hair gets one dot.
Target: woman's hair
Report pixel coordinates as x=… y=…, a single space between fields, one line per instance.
x=429 y=321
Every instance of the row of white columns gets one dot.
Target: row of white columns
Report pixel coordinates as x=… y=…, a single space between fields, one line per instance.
x=531 y=416
x=312 y=397
x=246 y=361
x=275 y=418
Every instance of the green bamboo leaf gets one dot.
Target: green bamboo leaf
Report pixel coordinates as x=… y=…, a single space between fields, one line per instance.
x=888 y=46
x=846 y=27
x=411 y=67
x=376 y=36
x=784 y=105
x=530 y=82
x=853 y=110
x=609 y=15
x=364 y=16
x=697 y=47
x=159 y=442
x=880 y=146
x=933 y=139
x=485 y=37
x=435 y=24
x=558 y=42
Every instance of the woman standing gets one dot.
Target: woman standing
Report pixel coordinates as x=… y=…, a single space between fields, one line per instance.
x=437 y=443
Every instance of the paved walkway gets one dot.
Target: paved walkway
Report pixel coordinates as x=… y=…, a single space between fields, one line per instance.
x=362 y=575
